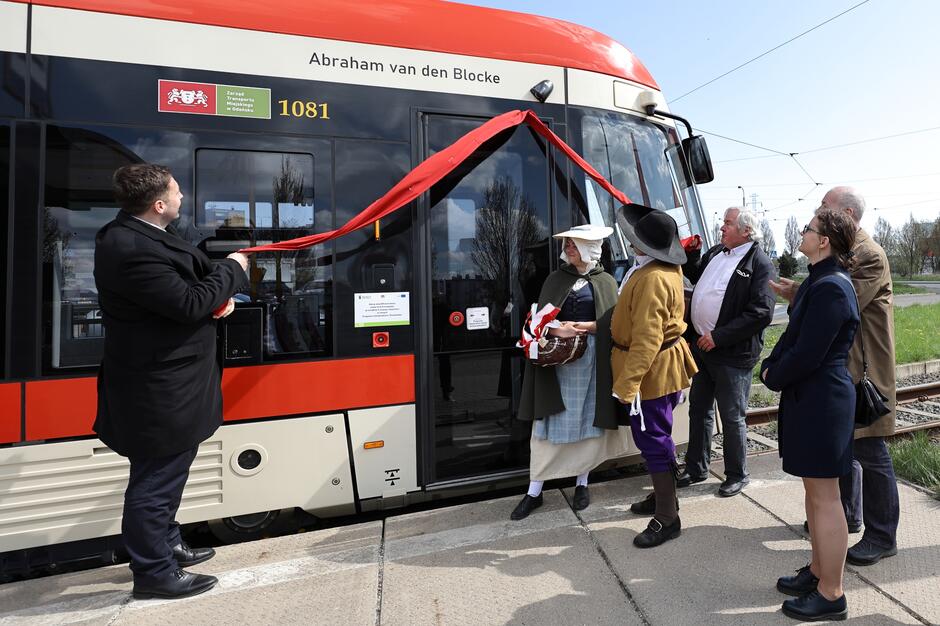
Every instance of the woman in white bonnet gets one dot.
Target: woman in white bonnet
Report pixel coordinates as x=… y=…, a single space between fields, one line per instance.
x=574 y=426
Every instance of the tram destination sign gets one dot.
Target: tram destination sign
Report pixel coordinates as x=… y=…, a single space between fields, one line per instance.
x=174 y=96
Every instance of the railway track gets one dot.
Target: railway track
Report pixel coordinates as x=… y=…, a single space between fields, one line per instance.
x=918 y=409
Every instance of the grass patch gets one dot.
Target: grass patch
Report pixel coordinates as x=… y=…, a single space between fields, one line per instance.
x=917 y=459
x=917 y=277
x=904 y=289
x=771 y=336
x=917 y=333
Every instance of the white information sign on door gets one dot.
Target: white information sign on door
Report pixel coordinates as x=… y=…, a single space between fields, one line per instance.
x=387 y=308
x=478 y=318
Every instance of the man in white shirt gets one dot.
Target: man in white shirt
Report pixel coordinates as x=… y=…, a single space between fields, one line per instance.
x=731 y=306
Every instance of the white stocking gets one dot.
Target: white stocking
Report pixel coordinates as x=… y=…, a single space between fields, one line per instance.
x=582 y=479
x=535 y=488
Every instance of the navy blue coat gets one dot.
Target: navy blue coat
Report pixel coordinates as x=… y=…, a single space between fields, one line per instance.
x=808 y=367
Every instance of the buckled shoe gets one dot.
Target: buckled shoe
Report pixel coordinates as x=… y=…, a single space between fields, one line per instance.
x=656 y=533
x=582 y=498
x=813 y=607
x=526 y=506
x=179 y=584
x=804 y=582
x=186 y=556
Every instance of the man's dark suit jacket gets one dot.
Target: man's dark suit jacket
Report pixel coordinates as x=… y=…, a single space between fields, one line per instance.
x=159 y=385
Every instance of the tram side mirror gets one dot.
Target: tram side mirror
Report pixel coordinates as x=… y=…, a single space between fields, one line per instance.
x=696 y=151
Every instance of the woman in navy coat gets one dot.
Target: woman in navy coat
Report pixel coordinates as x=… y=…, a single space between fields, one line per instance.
x=817 y=409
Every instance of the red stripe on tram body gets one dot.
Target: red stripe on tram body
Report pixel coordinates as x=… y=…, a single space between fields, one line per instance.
x=317 y=387
x=61 y=408
x=10 y=410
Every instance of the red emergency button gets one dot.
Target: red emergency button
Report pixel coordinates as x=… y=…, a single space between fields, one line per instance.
x=456 y=318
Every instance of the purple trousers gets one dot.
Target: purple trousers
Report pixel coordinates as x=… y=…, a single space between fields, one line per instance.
x=655 y=442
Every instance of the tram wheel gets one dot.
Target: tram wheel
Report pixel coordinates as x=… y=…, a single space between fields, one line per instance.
x=241 y=528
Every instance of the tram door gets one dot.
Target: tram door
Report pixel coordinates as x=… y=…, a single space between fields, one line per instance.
x=487 y=226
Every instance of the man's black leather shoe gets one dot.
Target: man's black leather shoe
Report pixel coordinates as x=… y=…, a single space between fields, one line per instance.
x=804 y=582
x=525 y=507
x=813 y=607
x=581 y=498
x=853 y=528
x=685 y=479
x=186 y=556
x=180 y=584
x=656 y=534
x=647 y=506
x=732 y=487
x=867 y=553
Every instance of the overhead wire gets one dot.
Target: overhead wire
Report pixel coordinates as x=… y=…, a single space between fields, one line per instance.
x=763 y=54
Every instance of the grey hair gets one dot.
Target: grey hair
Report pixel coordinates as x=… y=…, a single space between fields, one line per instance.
x=747 y=220
x=849 y=198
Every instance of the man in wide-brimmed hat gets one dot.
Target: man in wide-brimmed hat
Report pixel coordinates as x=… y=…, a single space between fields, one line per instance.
x=651 y=362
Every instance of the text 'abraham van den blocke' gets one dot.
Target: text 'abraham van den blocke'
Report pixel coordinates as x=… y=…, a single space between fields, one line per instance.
x=346 y=63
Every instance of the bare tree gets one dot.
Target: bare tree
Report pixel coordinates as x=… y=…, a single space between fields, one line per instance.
x=792 y=236
x=884 y=235
x=768 y=244
x=910 y=247
x=932 y=246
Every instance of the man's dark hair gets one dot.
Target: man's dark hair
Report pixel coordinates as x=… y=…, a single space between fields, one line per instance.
x=840 y=228
x=138 y=186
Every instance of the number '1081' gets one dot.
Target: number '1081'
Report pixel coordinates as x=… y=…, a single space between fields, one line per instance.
x=302 y=108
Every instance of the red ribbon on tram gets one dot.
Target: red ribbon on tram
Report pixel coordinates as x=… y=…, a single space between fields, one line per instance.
x=433 y=169
x=436 y=167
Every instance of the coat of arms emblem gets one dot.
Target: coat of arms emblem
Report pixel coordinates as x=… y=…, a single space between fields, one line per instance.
x=187 y=97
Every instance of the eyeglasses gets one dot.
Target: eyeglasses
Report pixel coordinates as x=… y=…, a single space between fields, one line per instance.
x=808 y=229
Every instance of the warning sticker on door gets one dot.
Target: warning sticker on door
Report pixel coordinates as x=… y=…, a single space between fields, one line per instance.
x=478 y=318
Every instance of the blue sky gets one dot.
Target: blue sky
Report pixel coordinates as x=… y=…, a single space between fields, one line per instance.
x=869 y=73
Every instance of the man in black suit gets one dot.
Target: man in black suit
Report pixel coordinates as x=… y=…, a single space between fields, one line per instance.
x=159 y=385
x=731 y=306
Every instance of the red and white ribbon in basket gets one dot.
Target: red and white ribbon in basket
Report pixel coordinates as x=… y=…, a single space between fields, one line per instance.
x=539 y=321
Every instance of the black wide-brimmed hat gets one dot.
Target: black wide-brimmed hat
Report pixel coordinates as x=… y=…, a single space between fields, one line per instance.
x=653 y=231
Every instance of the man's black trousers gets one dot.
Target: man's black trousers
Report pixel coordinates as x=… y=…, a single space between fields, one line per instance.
x=152 y=498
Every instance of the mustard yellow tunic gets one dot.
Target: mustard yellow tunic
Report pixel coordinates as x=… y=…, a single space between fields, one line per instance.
x=648 y=314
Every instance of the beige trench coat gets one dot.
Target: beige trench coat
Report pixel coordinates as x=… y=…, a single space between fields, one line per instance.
x=872 y=280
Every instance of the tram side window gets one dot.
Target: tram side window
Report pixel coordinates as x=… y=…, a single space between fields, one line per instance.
x=248 y=198
x=78 y=201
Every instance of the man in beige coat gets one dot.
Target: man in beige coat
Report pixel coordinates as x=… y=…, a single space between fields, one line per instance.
x=870 y=492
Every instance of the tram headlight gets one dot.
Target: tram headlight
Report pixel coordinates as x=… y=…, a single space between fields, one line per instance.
x=543 y=90
x=249 y=459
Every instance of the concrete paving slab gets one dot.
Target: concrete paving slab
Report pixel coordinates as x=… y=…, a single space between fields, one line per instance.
x=341 y=598
x=723 y=567
x=548 y=577
x=912 y=578
x=469 y=524
x=245 y=571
